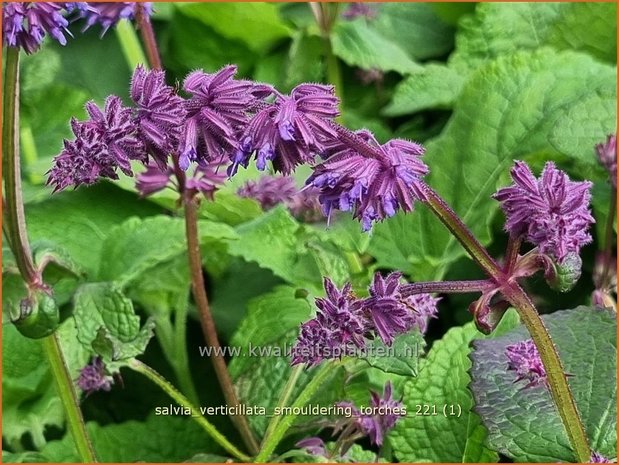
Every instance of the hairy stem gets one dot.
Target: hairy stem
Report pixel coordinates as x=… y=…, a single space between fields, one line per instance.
x=14 y=225
x=447 y=287
x=14 y=217
x=557 y=380
x=286 y=422
x=511 y=254
x=68 y=396
x=206 y=319
x=179 y=398
x=283 y=400
x=462 y=233
x=148 y=37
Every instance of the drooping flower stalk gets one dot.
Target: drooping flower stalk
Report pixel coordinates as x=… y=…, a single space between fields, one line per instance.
x=195 y=260
x=15 y=224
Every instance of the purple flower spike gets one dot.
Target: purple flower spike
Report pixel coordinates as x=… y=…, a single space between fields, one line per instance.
x=524 y=359
x=373 y=188
x=102 y=144
x=290 y=131
x=107 y=14
x=160 y=113
x=154 y=179
x=26 y=24
x=552 y=211
x=92 y=377
x=599 y=458
x=217 y=112
x=313 y=446
x=386 y=412
x=607 y=154
x=336 y=331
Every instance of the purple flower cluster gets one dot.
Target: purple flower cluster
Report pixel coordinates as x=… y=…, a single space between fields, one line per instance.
x=599 y=458
x=93 y=378
x=524 y=359
x=270 y=191
x=344 y=322
x=359 y=10
x=607 y=154
x=25 y=24
x=374 y=188
x=552 y=212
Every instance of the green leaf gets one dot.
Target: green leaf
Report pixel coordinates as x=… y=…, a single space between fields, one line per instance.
x=443 y=381
x=509 y=109
x=436 y=86
x=231 y=209
x=139 y=244
x=503 y=28
x=357 y=44
x=415 y=27
x=106 y=322
x=29 y=399
x=401 y=358
x=257 y=25
x=157 y=439
x=81 y=220
x=304 y=62
x=523 y=423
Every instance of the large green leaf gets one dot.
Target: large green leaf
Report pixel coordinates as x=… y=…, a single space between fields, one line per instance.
x=511 y=108
x=107 y=323
x=157 y=439
x=442 y=384
x=523 y=423
x=257 y=24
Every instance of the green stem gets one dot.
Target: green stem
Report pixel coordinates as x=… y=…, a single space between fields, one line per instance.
x=130 y=44
x=283 y=399
x=286 y=422
x=182 y=360
x=179 y=398
x=29 y=153
x=557 y=380
x=70 y=402
x=13 y=214
x=462 y=233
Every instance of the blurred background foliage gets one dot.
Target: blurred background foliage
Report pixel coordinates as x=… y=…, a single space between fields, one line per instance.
x=478 y=84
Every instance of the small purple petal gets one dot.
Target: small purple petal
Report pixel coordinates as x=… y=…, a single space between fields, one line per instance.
x=524 y=359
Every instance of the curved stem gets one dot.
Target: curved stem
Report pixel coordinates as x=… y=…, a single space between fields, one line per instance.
x=207 y=321
x=69 y=399
x=557 y=380
x=286 y=422
x=511 y=254
x=14 y=217
x=170 y=390
x=447 y=287
x=462 y=233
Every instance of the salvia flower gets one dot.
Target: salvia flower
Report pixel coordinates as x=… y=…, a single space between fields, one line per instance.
x=607 y=154
x=552 y=212
x=372 y=188
x=290 y=131
x=524 y=359
x=160 y=113
x=25 y=24
x=217 y=113
x=153 y=180
x=336 y=331
x=599 y=458
x=270 y=191
x=93 y=377
x=314 y=446
x=104 y=143
x=107 y=14
x=207 y=178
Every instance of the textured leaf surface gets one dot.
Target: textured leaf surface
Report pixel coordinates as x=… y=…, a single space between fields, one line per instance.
x=524 y=423
x=107 y=323
x=402 y=358
x=509 y=109
x=443 y=380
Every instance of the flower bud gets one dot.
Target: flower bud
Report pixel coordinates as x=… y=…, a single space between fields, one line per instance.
x=39 y=316
x=562 y=275
x=486 y=314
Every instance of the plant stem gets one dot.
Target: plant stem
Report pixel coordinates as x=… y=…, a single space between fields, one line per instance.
x=462 y=233
x=447 y=287
x=206 y=319
x=608 y=239
x=14 y=225
x=70 y=402
x=283 y=399
x=148 y=37
x=170 y=390
x=182 y=360
x=14 y=216
x=286 y=422
x=511 y=255
x=557 y=381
